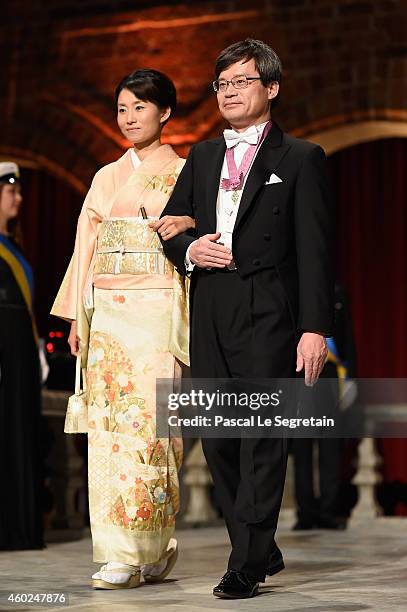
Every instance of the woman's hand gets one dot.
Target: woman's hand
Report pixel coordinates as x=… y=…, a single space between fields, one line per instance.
x=170 y=226
x=73 y=340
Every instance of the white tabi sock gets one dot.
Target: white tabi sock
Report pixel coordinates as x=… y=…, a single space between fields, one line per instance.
x=116 y=577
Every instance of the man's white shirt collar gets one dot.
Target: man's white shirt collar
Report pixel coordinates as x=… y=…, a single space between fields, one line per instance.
x=249 y=136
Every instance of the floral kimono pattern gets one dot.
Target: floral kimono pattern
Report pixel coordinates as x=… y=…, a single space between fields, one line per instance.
x=133 y=475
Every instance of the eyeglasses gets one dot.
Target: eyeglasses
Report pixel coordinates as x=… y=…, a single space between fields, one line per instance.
x=240 y=81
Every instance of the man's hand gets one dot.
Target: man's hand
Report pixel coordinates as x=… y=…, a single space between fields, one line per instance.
x=73 y=340
x=311 y=355
x=206 y=253
x=170 y=226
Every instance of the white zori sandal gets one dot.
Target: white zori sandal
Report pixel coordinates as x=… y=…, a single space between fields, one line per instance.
x=157 y=572
x=116 y=576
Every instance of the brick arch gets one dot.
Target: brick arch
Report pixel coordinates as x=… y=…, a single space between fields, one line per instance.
x=65 y=143
x=339 y=133
x=30 y=159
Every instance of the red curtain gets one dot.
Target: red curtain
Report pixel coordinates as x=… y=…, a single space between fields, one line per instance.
x=370 y=184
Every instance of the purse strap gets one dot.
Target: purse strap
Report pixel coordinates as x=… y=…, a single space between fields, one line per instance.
x=78 y=374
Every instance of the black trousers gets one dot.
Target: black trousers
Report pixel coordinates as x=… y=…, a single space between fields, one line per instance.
x=21 y=455
x=310 y=509
x=242 y=328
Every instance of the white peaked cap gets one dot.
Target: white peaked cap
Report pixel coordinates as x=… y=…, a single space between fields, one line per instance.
x=9 y=172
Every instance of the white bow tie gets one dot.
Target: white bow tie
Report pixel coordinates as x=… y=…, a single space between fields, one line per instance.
x=233 y=138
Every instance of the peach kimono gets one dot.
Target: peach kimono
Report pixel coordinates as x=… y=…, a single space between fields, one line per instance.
x=133 y=326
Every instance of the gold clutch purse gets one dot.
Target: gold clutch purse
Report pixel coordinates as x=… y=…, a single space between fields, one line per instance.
x=76 y=419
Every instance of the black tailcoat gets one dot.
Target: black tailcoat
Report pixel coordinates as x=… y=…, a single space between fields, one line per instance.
x=246 y=323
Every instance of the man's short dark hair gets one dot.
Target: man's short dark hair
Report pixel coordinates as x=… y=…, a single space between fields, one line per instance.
x=150 y=86
x=267 y=62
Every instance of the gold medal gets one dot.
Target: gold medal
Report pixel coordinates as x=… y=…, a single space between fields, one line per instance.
x=235 y=196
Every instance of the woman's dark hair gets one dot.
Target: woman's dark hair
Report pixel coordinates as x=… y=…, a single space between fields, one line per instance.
x=150 y=86
x=267 y=62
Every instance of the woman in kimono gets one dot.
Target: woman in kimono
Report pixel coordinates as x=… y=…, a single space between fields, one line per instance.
x=121 y=292
x=20 y=400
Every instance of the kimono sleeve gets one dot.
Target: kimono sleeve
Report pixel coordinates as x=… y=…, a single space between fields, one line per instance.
x=71 y=290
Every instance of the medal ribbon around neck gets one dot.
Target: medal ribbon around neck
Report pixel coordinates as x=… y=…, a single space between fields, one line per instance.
x=238 y=175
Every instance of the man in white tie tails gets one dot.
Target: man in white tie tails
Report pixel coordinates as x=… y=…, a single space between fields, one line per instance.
x=262 y=286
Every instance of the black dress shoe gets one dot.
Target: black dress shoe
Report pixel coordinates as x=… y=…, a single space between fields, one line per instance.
x=304 y=525
x=236 y=585
x=331 y=523
x=276 y=563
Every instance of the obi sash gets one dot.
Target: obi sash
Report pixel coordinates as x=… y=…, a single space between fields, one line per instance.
x=129 y=246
